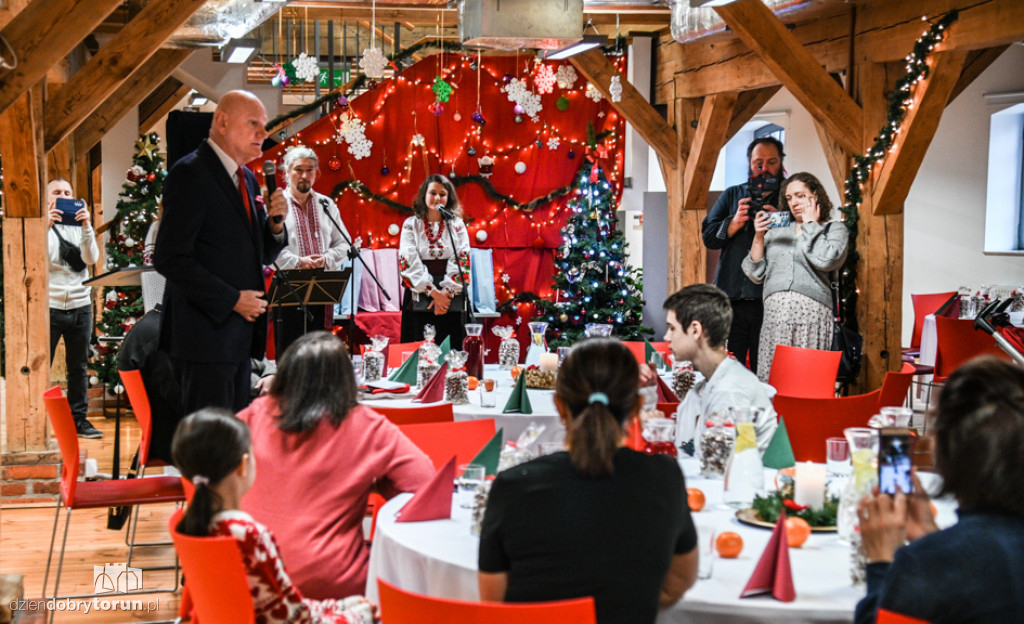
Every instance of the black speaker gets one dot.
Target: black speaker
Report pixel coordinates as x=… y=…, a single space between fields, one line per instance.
x=185 y=132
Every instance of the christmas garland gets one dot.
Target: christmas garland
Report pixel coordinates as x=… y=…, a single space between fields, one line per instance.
x=899 y=102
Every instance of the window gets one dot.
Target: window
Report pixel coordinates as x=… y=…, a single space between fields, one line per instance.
x=1004 y=201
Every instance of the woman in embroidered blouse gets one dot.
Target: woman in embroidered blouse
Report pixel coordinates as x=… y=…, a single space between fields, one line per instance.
x=431 y=267
x=213 y=450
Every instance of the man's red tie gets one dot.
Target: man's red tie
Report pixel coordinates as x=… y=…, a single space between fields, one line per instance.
x=245 y=195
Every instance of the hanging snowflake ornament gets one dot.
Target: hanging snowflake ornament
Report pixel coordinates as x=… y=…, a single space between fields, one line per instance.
x=306 y=67
x=442 y=90
x=544 y=79
x=373 y=63
x=566 y=76
x=553 y=143
x=615 y=89
x=353 y=132
x=419 y=139
x=593 y=93
x=523 y=97
x=505 y=278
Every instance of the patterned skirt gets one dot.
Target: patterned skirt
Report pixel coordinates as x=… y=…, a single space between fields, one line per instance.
x=794 y=320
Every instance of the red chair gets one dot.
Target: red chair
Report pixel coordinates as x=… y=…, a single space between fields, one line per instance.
x=924 y=305
x=395 y=352
x=889 y=617
x=806 y=373
x=895 y=386
x=634 y=439
x=442 y=440
x=217 y=586
x=810 y=421
x=430 y=413
x=398 y=606
x=93 y=494
x=958 y=342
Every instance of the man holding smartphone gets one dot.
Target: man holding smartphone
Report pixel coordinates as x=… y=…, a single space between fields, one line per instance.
x=71 y=245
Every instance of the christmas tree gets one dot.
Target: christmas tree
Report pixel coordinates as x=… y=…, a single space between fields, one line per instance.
x=593 y=283
x=136 y=209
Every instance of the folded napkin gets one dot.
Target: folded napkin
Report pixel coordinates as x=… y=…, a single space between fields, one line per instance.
x=433 y=391
x=406 y=373
x=490 y=454
x=651 y=355
x=445 y=346
x=433 y=501
x=519 y=400
x=772 y=575
x=400 y=388
x=779 y=453
x=665 y=393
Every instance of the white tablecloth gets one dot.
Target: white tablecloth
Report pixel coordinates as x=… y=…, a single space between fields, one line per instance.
x=439 y=558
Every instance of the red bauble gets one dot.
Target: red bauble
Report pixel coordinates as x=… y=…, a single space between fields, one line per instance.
x=151 y=177
x=538 y=243
x=109 y=305
x=334 y=163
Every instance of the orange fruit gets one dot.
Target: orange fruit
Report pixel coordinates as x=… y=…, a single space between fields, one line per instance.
x=473 y=382
x=797 y=531
x=515 y=371
x=729 y=545
x=933 y=508
x=695 y=499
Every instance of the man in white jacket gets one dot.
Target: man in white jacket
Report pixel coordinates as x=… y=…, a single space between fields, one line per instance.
x=70 y=299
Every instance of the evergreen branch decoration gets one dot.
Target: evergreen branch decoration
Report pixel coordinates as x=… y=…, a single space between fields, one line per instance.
x=899 y=102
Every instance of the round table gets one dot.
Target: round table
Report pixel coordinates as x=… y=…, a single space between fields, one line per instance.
x=439 y=558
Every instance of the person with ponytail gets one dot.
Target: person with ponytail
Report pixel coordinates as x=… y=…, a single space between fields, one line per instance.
x=597 y=519
x=211 y=448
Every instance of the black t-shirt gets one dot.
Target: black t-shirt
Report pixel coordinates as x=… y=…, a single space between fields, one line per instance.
x=561 y=535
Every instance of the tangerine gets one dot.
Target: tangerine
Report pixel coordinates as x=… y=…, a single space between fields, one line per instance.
x=797 y=531
x=695 y=499
x=729 y=545
x=473 y=382
x=515 y=371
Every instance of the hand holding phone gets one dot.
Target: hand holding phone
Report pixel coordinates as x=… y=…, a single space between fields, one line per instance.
x=896 y=460
x=69 y=209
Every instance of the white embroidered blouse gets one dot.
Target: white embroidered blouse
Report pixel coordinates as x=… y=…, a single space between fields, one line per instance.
x=422 y=240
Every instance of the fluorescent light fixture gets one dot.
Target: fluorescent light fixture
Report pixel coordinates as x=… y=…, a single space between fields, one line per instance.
x=588 y=42
x=708 y=3
x=239 y=50
x=197 y=99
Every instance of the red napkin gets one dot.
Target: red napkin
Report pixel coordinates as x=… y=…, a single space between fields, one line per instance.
x=399 y=390
x=773 y=574
x=665 y=394
x=433 y=392
x=433 y=501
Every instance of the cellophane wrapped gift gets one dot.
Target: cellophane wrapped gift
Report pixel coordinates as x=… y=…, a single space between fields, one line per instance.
x=508 y=349
x=480 y=505
x=716 y=445
x=373 y=359
x=682 y=378
x=429 y=354
x=520 y=451
x=456 y=382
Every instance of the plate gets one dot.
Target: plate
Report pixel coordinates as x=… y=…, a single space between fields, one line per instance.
x=749 y=516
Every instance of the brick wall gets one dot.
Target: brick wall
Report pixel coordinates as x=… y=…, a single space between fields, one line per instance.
x=30 y=477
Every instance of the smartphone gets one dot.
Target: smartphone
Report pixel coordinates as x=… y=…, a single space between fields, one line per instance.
x=778 y=219
x=896 y=459
x=68 y=208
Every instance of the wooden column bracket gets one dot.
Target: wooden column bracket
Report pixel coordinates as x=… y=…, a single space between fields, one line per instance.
x=747 y=105
x=161 y=101
x=715 y=116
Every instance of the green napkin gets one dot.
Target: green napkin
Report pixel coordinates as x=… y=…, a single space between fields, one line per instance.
x=446 y=346
x=652 y=355
x=490 y=454
x=406 y=373
x=519 y=400
x=779 y=453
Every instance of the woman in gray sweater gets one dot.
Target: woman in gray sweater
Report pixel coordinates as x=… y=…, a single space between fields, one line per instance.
x=793 y=262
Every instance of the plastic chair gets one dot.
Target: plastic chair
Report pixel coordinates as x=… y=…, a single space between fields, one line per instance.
x=805 y=373
x=895 y=386
x=395 y=352
x=924 y=305
x=93 y=494
x=959 y=342
x=442 y=440
x=213 y=567
x=889 y=617
x=430 y=413
x=810 y=421
x=398 y=606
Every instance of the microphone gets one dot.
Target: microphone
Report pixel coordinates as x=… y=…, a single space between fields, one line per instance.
x=270 y=178
x=447 y=214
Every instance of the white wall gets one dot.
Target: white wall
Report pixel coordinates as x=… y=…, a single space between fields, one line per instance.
x=118 y=147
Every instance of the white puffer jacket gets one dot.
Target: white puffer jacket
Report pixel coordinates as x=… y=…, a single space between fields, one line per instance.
x=66 y=289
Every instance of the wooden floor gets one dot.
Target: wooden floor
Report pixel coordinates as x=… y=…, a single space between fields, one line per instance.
x=25 y=533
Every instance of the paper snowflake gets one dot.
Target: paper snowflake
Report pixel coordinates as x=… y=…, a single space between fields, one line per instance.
x=505 y=277
x=593 y=93
x=306 y=67
x=544 y=79
x=352 y=132
x=419 y=139
x=373 y=63
x=553 y=143
x=566 y=76
x=615 y=89
x=528 y=100
x=442 y=90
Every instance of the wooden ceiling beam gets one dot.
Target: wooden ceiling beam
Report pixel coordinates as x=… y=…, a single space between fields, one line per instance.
x=114 y=63
x=900 y=166
x=837 y=158
x=976 y=63
x=596 y=68
x=796 y=68
x=747 y=105
x=715 y=116
x=42 y=34
x=132 y=91
x=161 y=101
x=426 y=15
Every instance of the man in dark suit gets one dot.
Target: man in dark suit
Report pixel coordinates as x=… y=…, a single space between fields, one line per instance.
x=214 y=238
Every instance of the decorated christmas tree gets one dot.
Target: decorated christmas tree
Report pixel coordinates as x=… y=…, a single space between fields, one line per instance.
x=136 y=209
x=593 y=283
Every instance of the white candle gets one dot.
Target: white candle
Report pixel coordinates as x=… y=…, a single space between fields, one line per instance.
x=548 y=361
x=809 y=485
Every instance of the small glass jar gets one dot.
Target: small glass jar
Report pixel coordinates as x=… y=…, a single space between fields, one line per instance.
x=716 y=446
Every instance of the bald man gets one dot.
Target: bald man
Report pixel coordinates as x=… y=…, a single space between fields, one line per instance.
x=216 y=234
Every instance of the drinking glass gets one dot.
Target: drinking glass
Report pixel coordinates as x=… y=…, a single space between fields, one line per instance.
x=357 y=369
x=488 y=395
x=468 y=477
x=563 y=352
x=896 y=416
x=705 y=551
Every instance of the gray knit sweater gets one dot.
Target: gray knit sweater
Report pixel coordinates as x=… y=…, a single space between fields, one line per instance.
x=800 y=263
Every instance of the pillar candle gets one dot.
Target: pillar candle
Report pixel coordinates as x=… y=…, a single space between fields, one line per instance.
x=548 y=361
x=809 y=485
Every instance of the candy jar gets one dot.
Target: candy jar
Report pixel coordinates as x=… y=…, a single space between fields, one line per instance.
x=716 y=444
x=373 y=359
x=473 y=345
x=429 y=354
x=508 y=349
x=744 y=474
x=682 y=377
x=592 y=330
x=659 y=436
x=456 y=382
x=538 y=345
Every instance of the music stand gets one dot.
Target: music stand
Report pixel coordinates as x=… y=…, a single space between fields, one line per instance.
x=305 y=287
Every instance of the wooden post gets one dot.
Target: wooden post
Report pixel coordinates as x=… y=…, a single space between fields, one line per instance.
x=687 y=259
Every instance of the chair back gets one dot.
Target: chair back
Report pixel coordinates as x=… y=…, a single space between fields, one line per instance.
x=895 y=386
x=398 y=606
x=925 y=304
x=215 y=576
x=639 y=350
x=442 y=440
x=634 y=436
x=395 y=352
x=63 y=423
x=958 y=342
x=889 y=617
x=810 y=421
x=429 y=413
x=136 y=391
x=806 y=373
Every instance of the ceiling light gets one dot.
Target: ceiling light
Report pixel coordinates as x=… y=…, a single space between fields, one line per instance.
x=239 y=50
x=588 y=42
x=197 y=99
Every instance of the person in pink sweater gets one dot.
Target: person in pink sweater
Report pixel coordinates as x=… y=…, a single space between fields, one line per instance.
x=320 y=456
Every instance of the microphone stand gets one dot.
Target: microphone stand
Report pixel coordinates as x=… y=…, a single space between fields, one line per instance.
x=467 y=307
x=353 y=254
